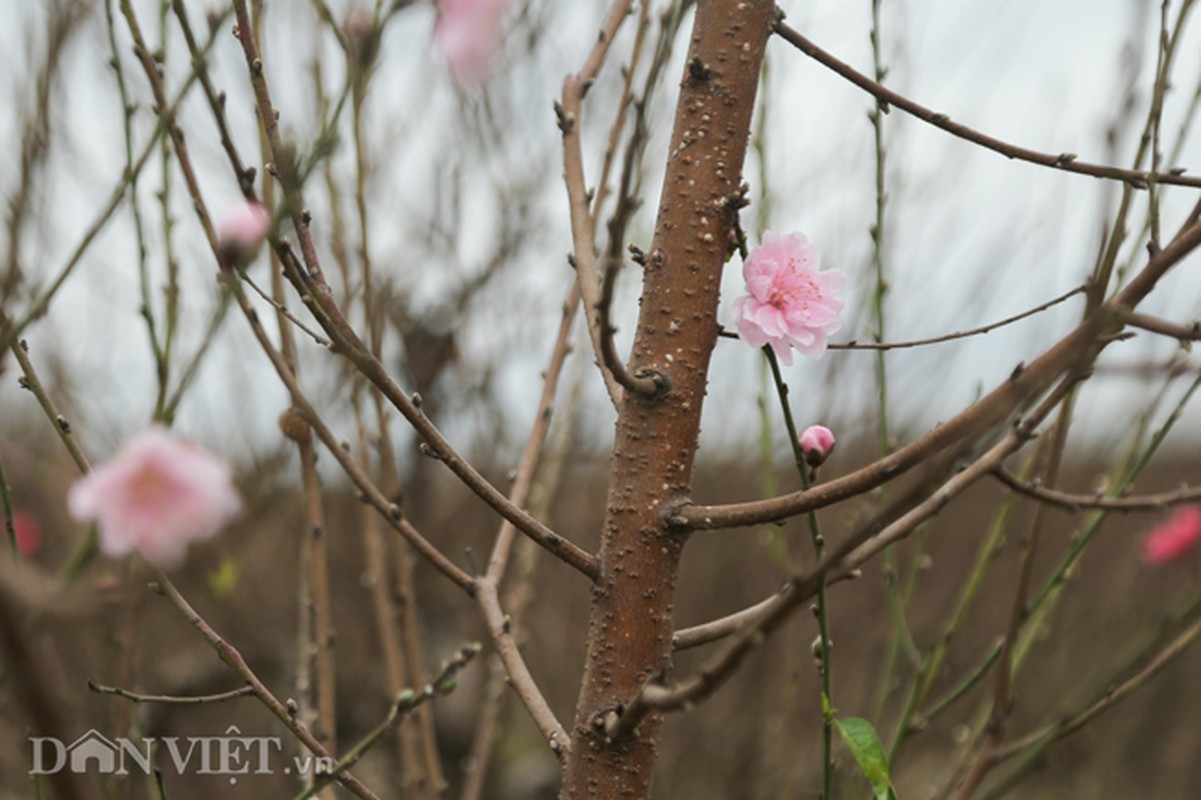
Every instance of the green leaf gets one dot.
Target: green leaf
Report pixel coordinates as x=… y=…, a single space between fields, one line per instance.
x=865 y=746
x=224 y=579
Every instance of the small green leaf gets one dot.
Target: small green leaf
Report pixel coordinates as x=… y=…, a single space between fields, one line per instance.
x=224 y=579
x=865 y=746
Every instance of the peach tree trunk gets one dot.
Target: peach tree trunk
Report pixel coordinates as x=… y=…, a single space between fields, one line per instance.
x=630 y=624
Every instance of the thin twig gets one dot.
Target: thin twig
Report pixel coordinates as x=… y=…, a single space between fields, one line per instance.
x=960 y=334
x=62 y=427
x=310 y=281
x=168 y=699
x=230 y=655
x=282 y=309
x=848 y=556
x=531 y=455
x=643 y=384
x=583 y=230
x=406 y=702
x=1112 y=695
x=947 y=337
x=166 y=118
x=387 y=509
x=1186 y=333
x=1023 y=383
x=518 y=594
x=1067 y=162
x=1079 y=502
x=501 y=630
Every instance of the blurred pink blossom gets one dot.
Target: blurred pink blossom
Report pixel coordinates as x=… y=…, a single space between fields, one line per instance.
x=1174 y=538
x=468 y=35
x=791 y=303
x=241 y=231
x=817 y=442
x=29 y=533
x=158 y=494
x=358 y=23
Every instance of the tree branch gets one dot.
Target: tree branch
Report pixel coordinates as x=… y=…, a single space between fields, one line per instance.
x=851 y=554
x=947 y=337
x=500 y=628
x=583 y=230
x=197 y=700
x=230 y=655
x=1185 y=333
x=1067 y=162
x=1024 y=383
x=315 y=291
x=1078 y=502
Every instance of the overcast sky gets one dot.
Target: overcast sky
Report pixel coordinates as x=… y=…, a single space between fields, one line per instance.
x=971 y=237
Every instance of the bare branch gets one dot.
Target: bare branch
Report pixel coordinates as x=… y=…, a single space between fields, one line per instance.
x=230 y=655
x=1139 y=179
x=532 y=454
x=849 y=556
x=500 y=628
x=203 y=699
x=1078 y=502
x=310 y=282
x=583 y=229
x=960 y=334
x=1024 y=383
x=1110 y=697
x=407 y=702
x=1185 y=333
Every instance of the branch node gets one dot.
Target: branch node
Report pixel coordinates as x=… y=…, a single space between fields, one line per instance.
x=564 y=120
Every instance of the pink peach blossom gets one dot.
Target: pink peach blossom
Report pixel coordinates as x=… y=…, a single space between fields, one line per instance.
x=817 y=442
x=29 y=533
x=158 y=494
x=468 y=35
x=1174 y=538
x=791 y=303
x=241 y=231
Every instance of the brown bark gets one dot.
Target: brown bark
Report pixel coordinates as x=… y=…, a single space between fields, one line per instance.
x=630 y=623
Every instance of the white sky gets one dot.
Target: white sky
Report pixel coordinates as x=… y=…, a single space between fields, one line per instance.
x=971 y=237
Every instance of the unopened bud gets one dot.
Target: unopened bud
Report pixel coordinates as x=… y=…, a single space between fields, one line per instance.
x=240 y=233
x=293 y=425
x=817 y=442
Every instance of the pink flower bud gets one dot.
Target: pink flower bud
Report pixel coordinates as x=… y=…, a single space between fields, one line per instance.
x=469 y=35
x=241 y=231
x=358 y=23
x=817 y=442
x=1175 y=538
x=158 y=494
x=362 y=36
